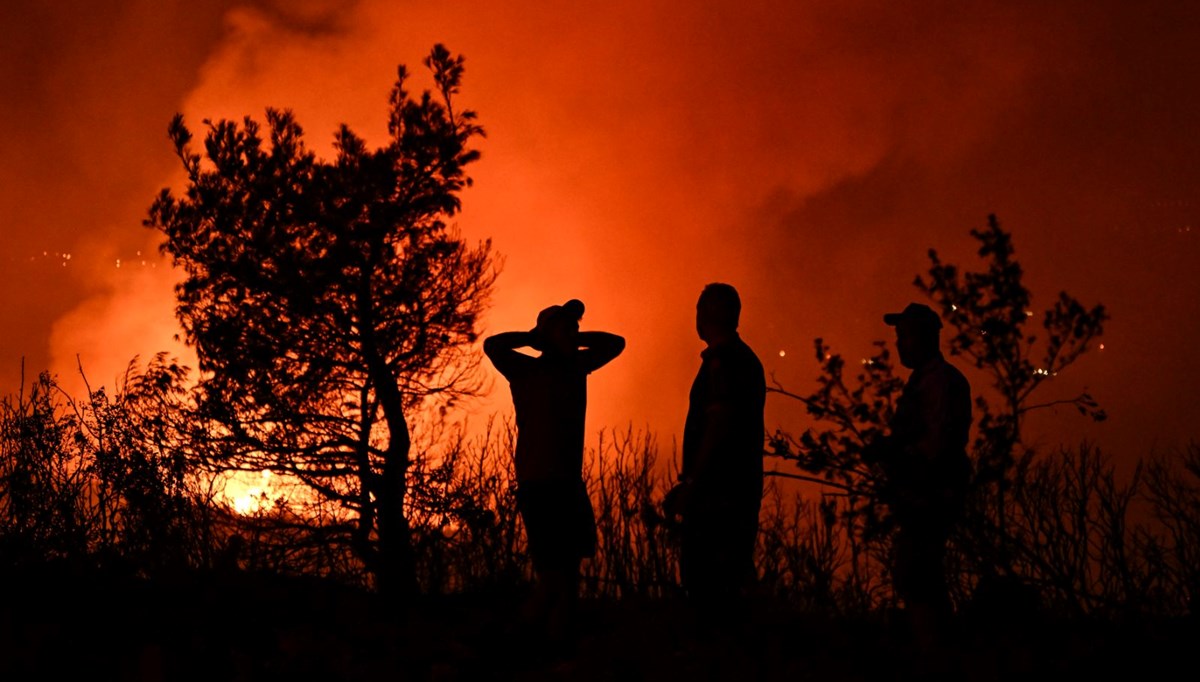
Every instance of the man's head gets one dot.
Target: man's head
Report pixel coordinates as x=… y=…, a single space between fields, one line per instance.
x=557 y=329
x=918 y=329
x=717 y=312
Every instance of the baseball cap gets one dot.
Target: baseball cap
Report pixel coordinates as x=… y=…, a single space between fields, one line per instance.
x=917 y=314
x=572 y=310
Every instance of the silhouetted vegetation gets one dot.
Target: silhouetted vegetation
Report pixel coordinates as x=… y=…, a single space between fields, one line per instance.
x=130 y=500
x=104 y=481
x=230 y=585
x=1056 y=529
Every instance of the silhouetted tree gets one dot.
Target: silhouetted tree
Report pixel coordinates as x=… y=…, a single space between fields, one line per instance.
x=851 y=413
x=985 y=314
x=326 y=300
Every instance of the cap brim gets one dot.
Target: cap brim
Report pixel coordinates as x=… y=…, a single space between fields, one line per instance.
x=893 y=319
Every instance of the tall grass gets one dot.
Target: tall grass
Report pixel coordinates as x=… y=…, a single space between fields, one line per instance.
x=107 y=482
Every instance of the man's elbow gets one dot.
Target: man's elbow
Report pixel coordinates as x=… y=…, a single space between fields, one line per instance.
x=491 y=346
x=618 y=344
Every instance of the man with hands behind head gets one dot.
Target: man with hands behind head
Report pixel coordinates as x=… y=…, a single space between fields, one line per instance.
x=549 y=395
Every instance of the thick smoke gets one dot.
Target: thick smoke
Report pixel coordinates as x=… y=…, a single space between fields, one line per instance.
x=808 y=153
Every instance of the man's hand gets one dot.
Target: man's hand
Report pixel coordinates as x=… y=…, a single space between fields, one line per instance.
x=535 y=338
x=675 y=503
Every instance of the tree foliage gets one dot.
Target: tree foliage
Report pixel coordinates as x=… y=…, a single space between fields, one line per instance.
x=852 y=414
x=328 y=299
x=987 y=313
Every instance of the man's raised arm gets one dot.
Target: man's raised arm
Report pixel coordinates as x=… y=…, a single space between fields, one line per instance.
x=501 y=350
x=597 y=349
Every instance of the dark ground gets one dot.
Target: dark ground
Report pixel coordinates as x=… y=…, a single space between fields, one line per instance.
x=63 y=625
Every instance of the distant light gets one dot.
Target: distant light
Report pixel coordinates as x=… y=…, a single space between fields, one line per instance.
x=1102 y=346
x=782 y=353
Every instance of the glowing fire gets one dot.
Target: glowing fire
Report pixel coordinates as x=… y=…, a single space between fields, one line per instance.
x=249 y=493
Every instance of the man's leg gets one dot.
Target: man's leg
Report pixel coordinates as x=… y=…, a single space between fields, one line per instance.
x=562 y=587
x=921 y=581
x=717 y=560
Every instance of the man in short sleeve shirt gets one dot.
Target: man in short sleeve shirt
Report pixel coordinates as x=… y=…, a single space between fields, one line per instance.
x=720 y=489
x=550 y=400
x=925 y=462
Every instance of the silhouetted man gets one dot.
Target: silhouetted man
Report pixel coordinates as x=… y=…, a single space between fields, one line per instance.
x=550 y=398
x=719 y=493
x=924 y=460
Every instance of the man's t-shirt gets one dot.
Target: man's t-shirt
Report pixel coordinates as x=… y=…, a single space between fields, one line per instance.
x=931 y=428
x=550 y=399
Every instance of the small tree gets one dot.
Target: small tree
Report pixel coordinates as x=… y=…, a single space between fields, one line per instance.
x=851 y=413
x=986 y=314
x=326 y=300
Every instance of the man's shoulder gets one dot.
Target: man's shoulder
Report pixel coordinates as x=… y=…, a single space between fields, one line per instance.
x=944 y=372
x=952 y=370
x=744 y=353
x=736 y=356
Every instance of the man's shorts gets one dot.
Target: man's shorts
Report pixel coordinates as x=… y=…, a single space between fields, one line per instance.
x=560 y=524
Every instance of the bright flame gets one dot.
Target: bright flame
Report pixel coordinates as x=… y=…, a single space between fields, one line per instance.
x=249 y=493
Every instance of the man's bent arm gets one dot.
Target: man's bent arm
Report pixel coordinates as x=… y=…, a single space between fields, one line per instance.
x=597 y=349
x=501 y=349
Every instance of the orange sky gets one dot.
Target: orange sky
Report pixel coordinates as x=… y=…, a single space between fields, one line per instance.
x=808 y=153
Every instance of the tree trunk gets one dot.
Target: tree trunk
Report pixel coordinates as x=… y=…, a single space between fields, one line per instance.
x=396 y=573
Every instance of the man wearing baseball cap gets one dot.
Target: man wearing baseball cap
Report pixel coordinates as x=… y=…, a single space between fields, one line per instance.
x=926 y=469
x=550 y=399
